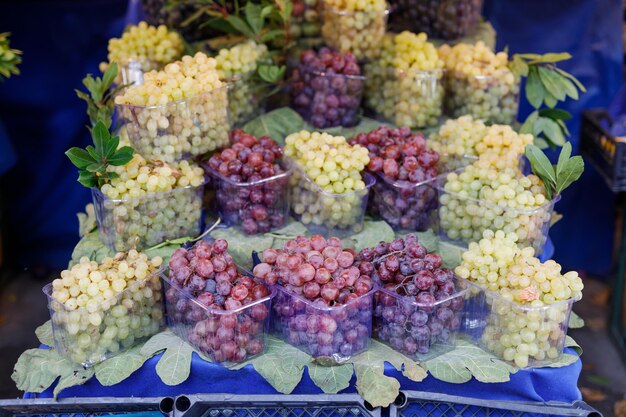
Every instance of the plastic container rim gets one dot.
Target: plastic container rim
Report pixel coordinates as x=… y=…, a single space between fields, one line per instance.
x=339 y=11
x=147 y=195
x=223 y=87
x=361 y=77
x=407 y=298
x=368 y=178
x=309 y=303
x=424 y=73
x=288 y=171
x=403 y=184
x=516 y=305
x=500 y=72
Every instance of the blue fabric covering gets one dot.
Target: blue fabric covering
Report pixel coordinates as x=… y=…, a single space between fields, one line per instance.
x=539 y=385
x=591 y=30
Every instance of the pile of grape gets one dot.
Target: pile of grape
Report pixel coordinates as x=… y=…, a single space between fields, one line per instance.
x=324 y=305
x=99 y=310
x=237 y=66
x=327 y=87
x=404 y=194
x=528 y=314
x=480 y=83
x=482 y=197
x=498 y=146
x=441 y=19
x=148 y=203
x=252 y=188
x=355 y=26
x=148 y=47
x=404 y=85
x=329 y=194
x=178 y=112
x=420 y=303
x=219 y=310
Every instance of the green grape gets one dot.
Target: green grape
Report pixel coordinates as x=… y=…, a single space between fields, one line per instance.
x=178 y=112
x=93 y=332
x=405 y=83
x=480 y=83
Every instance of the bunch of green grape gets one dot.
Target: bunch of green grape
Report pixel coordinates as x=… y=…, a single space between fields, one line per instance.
x=355 y=26
x=528 y=314
x=237 y=66
x=101 y=309
x=405 y=83
x=149 y=47
x=482 y=197
x=179 y=112
x=329 y=193
x=148 y=203
x=480 y=83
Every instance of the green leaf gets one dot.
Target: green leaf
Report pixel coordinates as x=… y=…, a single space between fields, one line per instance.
x=77 y=377
x=372 y=233
x=550 y=129
x=109 y=76
x=575 y=321
x=119 y=367
x=571 y=343
x=37 y=369
x=527 y=127
x=88 y=179
x=565 y=359
x=110 y=146
x=253 y=16
x=569 y=76
x=271 y=35
x=366 y=125
x=123 y=156
x=91 y=247
x=551 y=82
x=276 y=124
x=242 y=27
x=271 y=73
x=175 y=365
x=100 y=135
x=466 y=361
x=548 y=58
x=240 y=246
x=555 y=114
x=87 y=220
x=519 y=66
x=331 y=379
x=542 y=167
x=44 y=334
x=450 y=254
x=566 y=152
x=80 y=157
x=550 y=100
x=429 y=239
x=541 y=143
x=407 y=366
x=371 y=382
x=164 y=252
x=572 y=170
x=535 y=92
x=568 y=87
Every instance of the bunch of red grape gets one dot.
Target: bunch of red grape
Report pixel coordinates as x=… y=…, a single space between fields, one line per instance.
x=206 y=298
x=405 y=195
x=251 y=185
x=420 y=303
x=324 y=303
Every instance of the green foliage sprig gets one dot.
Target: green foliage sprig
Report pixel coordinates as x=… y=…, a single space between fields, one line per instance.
x=92 y=162
x=9 y=58
x=546 y=86
x=556 y=178
x=100 y=103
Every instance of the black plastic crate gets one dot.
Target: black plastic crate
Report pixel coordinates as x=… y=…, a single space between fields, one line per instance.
x=604 y=151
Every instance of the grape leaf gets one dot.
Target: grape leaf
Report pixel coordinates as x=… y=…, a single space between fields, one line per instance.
x=550 y=80
x=174 y=366
x=575 y=321
x=164 y=252
x=331 y=379
x=240 y=246
x=86 y=220
x=550 y=129
x=466 y=360
x=429 y=239
x=407 y=366
x=116 y=369
x=37 y=369
x=534 y=89
x=91 y=247
x=371 y=382
x=372 y=233
x=77 y=377
x=450 y=254
x=365 y=125
x=276 y=124
x=565 y=359
x=571 y=343
x=289 y=231
x=44 y=334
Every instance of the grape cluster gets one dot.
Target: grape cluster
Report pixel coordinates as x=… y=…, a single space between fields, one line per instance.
x=481 y=197
x=530 y=301
x=99 y=310
x=237 y=66
x=405 y=84
x=459 y=136
x=149 y=47
x=355 y=26
x=329 y=193
x=419 y=303
x=324 y=303
x=305 y=22
x=148 y=203
x=404 y=196
x=480 y=83
x=441 y=19
x=178 y=112
x=219 y=310
x=252 y=188
x=327 y=88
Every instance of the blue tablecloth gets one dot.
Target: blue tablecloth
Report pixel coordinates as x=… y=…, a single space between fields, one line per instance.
x=538 y=385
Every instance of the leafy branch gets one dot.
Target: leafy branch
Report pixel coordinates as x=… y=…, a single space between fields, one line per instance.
x=556 y=178
x=100 y=103
x=92 y=162
x=9 y=58
x=546 y=86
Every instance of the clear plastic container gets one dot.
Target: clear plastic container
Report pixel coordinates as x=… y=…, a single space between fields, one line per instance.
x=327 y=100
x=246 y=98
x=492 y=98
x=526 y=336
x=132 y=71
x=440 y=19
x=337 y=333
x=405 y=205
x=463 y=219
x=228 y=337
x=178 y=130
x=411 y=98
x=421 y=331
x=326 y=213
x=142 y=222
x=360 y=33
x=254 y=207
x=89 y=335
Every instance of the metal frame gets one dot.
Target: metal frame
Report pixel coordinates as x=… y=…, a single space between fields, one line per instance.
x=427 y=404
